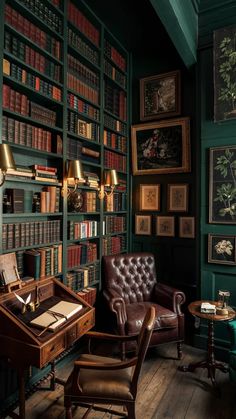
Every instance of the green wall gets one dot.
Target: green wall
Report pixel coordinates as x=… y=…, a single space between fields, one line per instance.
x=213 y=15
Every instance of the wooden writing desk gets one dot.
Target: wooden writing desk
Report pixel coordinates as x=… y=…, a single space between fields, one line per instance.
x=20 y=342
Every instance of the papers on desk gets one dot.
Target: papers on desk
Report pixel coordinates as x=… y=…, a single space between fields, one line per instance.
x=56 y=315
x=208 y=308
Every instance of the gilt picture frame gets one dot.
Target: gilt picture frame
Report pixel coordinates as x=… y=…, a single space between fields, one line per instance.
x=177 y=197
x=165 y=226
x=187 y=227
x=221 y=249
x=160 y=96
x=143 y=224
x=150 y=197
x=161 y=147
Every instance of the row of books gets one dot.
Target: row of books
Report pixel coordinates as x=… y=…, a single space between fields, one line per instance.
x=27 y=135
x=75 y=150
x=45 y=13
x=41 y=262
x=14 y=101
x=83 y=276
x=35 y=82
x=89 y=201
x=48 y=200
x=115 y=202
x=29 y=56
x=88 y=130
x=83 y=89
x=20 y=103
x=82 y=229
x=113 y=245
x=112 y=53
x=116 y=141
x=113 y=224
x=115 y=101
x=83 y=107
x=30 y=233
x=83 y=24
x=86 y=75
x=88 y=294
x=114 y=124
x=82 y=47
x=42 y=114
x=13 y=200
x=114 y=74
x=79 y=254
x=32 y=32
x=122 y=186
x=114 y=161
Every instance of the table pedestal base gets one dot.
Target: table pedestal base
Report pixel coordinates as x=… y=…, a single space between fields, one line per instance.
x=210 y=364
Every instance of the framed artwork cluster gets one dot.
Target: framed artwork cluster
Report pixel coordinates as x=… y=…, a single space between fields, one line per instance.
x=177 y=201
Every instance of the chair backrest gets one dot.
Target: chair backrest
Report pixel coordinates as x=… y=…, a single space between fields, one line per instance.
x=143 y=343
x=131 y=275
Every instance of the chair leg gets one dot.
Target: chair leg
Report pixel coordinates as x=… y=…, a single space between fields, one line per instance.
x=179 y=350
x=131 y=410
x=68 y=413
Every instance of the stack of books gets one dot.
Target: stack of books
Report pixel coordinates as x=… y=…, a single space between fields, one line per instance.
x=92 y=179
x=208 y=308
x=44 y=173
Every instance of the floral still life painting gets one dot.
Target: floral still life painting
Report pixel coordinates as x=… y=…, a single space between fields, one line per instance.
x=222 y=188
x=225 y=73
x=221 y=249
x=159 y=148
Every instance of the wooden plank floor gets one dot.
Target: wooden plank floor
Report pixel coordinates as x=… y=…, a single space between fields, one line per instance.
x=164 y=392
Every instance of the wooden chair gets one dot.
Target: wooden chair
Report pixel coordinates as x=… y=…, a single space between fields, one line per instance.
x=105 y=380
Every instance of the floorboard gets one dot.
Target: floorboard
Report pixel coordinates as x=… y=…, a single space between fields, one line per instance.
x=164 y=391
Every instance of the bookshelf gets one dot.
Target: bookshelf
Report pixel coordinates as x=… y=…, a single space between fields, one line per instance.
x=65 y=96
x=65 y=81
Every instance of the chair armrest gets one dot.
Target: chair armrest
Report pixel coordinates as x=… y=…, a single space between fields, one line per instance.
x=117 y=305
x=169 y=297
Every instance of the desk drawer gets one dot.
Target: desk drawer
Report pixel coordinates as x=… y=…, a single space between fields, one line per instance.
x=71 y=335
x=85 y=323
x=53 y=349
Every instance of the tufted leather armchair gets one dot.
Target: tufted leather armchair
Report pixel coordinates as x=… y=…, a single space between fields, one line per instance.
x=130 y=287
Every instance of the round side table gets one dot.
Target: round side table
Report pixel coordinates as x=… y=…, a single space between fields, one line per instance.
x=210 y=363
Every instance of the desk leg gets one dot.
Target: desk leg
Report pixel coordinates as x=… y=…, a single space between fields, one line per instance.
x=210 y=362
x=21 y=380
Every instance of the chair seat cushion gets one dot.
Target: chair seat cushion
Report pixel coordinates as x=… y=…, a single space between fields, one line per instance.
x=165 y=319
x=100 y=383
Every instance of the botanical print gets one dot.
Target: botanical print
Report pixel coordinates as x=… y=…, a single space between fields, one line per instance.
x=177 y=197
x=143 y=224
x=221 y=249
x=165 y=226
x=149 y=197
x=187 y=227
x=222 y=198
x=225 y=73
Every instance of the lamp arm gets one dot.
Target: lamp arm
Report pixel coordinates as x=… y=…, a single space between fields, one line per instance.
x=3 y=177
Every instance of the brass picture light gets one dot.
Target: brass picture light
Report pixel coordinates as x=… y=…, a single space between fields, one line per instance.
x=6 y=161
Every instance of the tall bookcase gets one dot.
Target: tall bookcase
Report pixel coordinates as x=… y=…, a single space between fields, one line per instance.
x=65 y=82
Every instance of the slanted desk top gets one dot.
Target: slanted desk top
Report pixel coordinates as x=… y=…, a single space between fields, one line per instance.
x=20 y=341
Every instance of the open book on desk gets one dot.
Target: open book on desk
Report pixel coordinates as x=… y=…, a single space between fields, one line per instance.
x=53 y=317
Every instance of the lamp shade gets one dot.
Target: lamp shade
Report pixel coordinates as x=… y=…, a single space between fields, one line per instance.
x=111 y=178
x=75 y=170
x=6 y=158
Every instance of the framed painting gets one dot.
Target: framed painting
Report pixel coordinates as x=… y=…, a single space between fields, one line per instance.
x=150 y=197
x=177 y=197
x=222 y=185
x=165 y=226
x=224 y=73
x=160 y=96
x=187 y=227
x=161 y=147
x=221 y=249
x=143 y=224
